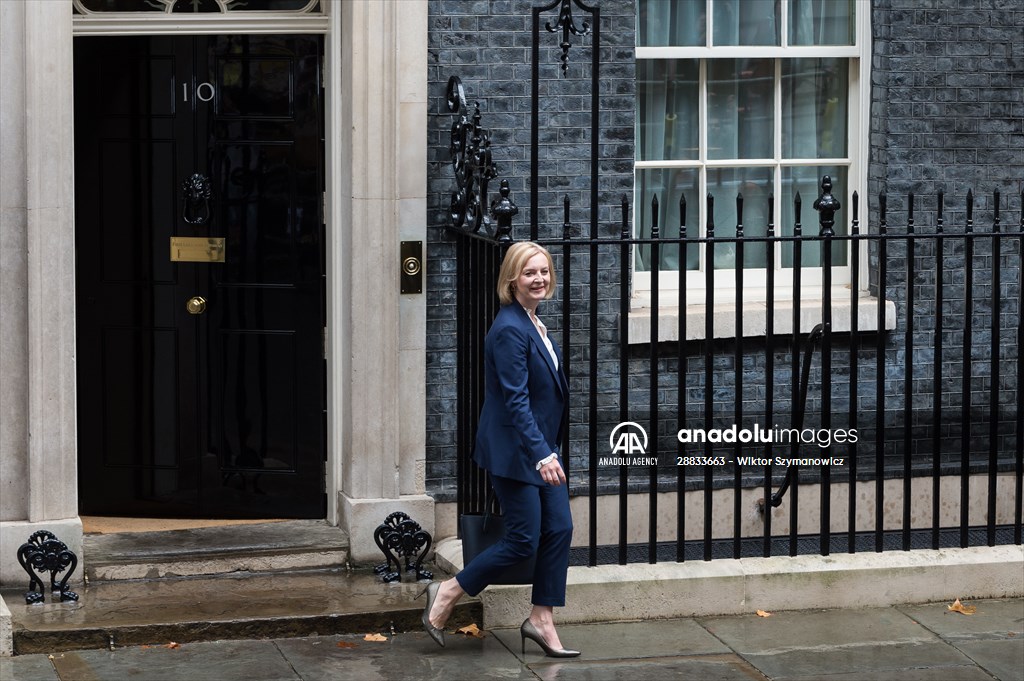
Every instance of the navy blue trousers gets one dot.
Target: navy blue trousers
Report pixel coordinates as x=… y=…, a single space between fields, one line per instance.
x=537 y=520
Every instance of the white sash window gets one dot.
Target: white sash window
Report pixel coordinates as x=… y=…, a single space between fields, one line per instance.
x=758 y=97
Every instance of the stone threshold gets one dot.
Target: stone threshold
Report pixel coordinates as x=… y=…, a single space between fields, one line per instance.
x=271 y=546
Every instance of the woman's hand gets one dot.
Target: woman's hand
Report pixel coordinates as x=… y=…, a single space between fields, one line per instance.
x=552 y=473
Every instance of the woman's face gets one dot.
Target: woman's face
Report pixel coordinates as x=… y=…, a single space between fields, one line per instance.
x=533 y=282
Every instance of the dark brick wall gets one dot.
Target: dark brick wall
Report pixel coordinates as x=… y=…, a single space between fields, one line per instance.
x=946 y=115
x=488 y=45
x=947 y=98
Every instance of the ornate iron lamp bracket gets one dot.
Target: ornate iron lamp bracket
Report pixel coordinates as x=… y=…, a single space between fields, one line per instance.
x=568 y=25
x=470 y=151
x=399 y=537
x=43 y=552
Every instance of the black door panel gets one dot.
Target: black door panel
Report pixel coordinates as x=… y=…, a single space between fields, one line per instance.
x=218 y=413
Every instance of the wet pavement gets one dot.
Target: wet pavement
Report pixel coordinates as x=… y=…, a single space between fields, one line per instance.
x=228 y=606
x=907 y=642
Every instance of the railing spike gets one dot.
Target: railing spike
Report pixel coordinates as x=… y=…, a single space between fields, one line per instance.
x=711 y=215
x=855 y=213
x=655 y=215
x=682 y=215
x=827 y=205
x=625 y=216
x=995 y=211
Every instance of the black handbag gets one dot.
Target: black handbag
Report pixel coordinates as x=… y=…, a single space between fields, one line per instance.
x=479 y=532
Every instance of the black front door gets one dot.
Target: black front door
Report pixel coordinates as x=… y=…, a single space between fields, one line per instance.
x=201 y=385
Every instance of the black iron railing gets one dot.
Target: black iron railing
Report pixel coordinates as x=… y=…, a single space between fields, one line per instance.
x=938 y=394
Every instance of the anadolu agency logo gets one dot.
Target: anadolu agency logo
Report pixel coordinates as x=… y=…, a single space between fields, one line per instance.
x=628 y=443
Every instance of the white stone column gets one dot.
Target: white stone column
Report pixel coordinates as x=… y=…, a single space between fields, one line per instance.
x=380 y=334
x=37 y=360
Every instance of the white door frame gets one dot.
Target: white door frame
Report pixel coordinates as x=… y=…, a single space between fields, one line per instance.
x=376 y=168
x=327 y=24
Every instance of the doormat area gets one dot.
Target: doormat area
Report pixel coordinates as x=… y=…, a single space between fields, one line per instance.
x=111 y=525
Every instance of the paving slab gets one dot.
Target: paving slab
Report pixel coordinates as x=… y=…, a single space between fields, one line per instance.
x=703 y=667
x=1003 y=659
x=623 y=640
x=993 y=619
x=220 y=660
x=803 y=629
x=819 y=643
x=819 y=662
x=411 y=656
x=971 y=673
x=27 y=668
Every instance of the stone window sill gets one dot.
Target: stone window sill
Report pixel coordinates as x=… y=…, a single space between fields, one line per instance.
x=755 y=318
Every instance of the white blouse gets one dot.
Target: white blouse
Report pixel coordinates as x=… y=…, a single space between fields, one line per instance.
x=543 y=330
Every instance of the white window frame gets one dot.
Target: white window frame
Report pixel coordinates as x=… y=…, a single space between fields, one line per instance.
x=305 y=20
x=754 y=279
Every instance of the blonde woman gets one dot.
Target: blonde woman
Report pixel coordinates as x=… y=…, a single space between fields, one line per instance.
x=525 y=399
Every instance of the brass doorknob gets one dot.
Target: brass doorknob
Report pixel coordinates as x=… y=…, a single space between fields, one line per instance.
x=196 y=305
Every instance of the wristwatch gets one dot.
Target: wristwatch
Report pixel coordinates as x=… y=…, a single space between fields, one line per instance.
x=546 y=460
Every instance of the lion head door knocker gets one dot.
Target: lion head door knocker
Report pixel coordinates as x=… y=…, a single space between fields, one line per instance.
x=196 y=199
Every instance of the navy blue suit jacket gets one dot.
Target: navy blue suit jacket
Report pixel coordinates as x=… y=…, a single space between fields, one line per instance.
x=525 y=398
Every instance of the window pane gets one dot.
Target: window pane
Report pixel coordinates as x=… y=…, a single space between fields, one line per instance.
x=661 y=23
x=667 y=109
x=193 y=6
x=807 y=181
x=668 y=184
x=740 y=108
x=122 y=6
x=755 y=184
x=821 y=22
x=275 y=5
x=814 y=111
x=746 y=22
x=196 y=6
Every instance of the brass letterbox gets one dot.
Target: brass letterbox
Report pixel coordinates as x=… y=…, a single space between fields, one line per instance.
x=197 y=249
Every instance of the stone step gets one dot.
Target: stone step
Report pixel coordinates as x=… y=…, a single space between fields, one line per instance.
x=263 y=547
x=227 y=606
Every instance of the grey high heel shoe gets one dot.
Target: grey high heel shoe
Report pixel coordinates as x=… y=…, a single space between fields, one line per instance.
x=528 y=631
x=431 y=592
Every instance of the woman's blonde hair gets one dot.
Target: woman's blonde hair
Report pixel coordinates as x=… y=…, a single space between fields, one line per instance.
x=513 y=265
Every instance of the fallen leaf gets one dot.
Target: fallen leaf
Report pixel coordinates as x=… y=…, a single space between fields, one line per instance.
x=472 y=630
x=961 y=608
x=347 y=644
x=375 y=637
x=762 y=613
x=172 y=645
x=145 y=647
